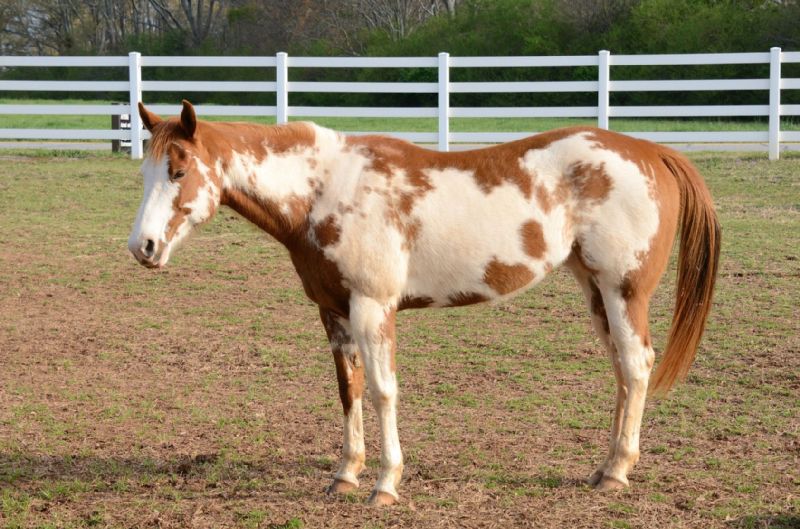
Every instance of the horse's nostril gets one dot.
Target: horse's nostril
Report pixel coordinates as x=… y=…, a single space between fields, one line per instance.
x=149 y=248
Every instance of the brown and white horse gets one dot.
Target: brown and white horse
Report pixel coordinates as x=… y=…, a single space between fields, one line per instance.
x=375 y=225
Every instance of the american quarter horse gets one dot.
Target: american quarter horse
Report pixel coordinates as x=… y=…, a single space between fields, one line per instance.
x=375 y=225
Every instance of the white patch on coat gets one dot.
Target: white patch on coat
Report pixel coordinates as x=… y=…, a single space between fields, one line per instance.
x=155 y=210
x=463 y=229
x=613 y=233
x=277 y=177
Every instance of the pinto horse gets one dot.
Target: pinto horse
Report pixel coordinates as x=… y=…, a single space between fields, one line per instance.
x=375 y=225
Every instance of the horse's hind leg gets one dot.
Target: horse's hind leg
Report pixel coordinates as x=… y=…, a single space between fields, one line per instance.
x=350 y=375
x=594 y=299
x=626 y=308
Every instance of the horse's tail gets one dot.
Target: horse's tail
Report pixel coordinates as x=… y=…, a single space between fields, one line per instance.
x=698 y=261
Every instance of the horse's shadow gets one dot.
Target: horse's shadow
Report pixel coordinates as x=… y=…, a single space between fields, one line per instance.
x=767 y=521
x=28 y=470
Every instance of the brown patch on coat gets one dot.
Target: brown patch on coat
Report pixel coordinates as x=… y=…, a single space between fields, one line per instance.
x=267 y=214
x=637 y=286
x=459 y=299
x=590 y=182
x=533 y=239
x=639 y=152
x=410 y=232
x=504 y=278
x=597 y=305
x=414 y=302
x=327 y=231
x=322 y=280
x=388 y=156
x=290 y=136
x=189 y=185
x=349 y=370
x=388 y=333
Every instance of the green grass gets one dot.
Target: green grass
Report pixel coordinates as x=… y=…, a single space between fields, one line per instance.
x=412 y=124
x=205 y=394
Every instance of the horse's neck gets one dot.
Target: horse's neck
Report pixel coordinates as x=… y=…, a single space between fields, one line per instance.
x=274 y=188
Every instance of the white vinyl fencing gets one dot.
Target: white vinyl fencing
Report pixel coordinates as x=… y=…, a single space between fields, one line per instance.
x=136 y=86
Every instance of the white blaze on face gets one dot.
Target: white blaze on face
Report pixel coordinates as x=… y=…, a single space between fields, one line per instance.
x=155 y=210
x=158 y=210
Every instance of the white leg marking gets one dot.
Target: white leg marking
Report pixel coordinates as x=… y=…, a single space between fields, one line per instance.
x=635 y=362
x=353 y=451
x=373 y=328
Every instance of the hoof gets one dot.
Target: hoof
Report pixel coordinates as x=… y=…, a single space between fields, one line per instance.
x=341 y=487
x=380 y=498
x=608 y=483
x=595 y=478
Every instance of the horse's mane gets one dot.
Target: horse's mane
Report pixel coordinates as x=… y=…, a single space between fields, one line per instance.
x=163 y=135
x=278 y=137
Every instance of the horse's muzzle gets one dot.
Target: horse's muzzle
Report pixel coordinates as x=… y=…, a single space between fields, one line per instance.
x=145 y=253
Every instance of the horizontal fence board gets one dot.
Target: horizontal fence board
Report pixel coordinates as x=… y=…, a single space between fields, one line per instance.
x=523 y=87
x=64 y=134
x=76 y=110
x=63 y=61
x=689 y=59
x=688 y=111
x=790 y=135
x=216 y=110
x=526 y=62
x=791 y=83
x=488 y=137
x=362 y=62
x=208 y=86
x=790 y=110
x=703 y=137
x=221 y=62
x=363 y=88
x=791 y=56
x=523 y=112
x=689 y=85
x=65 y=86
x=365 y=112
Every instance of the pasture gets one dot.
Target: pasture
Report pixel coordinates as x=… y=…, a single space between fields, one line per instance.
x=204 y=395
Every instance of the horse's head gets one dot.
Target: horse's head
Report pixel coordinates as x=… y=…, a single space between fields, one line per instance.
x=181 y=187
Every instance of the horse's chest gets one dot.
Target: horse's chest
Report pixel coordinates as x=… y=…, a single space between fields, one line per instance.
x=322 y=280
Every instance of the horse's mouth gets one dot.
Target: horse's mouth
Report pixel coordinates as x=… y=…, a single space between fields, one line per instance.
x=155 y=262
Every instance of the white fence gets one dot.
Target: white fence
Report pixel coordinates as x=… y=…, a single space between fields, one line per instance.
x=135 y=86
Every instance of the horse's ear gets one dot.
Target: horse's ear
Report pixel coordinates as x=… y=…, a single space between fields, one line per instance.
x=149 y=120
x=188 y=119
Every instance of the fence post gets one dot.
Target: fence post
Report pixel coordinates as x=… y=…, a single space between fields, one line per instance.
x=774 y=103
x=444 y=101
x=282 y=88
x=135 y=80
x=603 y=77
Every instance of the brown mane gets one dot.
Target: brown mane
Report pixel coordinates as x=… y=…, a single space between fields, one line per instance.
x=279 y=138
x=164 y=133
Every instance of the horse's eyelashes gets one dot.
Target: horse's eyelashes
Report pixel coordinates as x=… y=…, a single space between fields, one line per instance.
x=178 y=175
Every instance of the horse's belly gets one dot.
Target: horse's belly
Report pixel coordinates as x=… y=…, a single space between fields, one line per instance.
x=463 y=259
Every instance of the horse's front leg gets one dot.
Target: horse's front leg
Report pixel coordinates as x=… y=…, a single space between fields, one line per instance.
x=350 y=375
x=373 y=325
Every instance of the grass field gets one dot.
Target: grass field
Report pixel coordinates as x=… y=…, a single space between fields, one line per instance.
x=204 y=395
x=411 y=124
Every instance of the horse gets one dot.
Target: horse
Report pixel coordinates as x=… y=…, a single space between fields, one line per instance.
x=375 y=225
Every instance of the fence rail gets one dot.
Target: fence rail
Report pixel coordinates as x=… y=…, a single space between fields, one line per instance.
x=772 y=138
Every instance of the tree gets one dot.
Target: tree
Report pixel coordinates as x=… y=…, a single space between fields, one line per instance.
x=199 y=17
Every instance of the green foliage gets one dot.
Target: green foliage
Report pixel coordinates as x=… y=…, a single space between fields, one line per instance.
x=496 y=28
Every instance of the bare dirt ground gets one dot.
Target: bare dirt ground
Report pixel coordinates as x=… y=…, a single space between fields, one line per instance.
x=204 y=395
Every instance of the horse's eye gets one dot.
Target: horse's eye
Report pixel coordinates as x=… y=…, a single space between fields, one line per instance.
x=178 y=175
